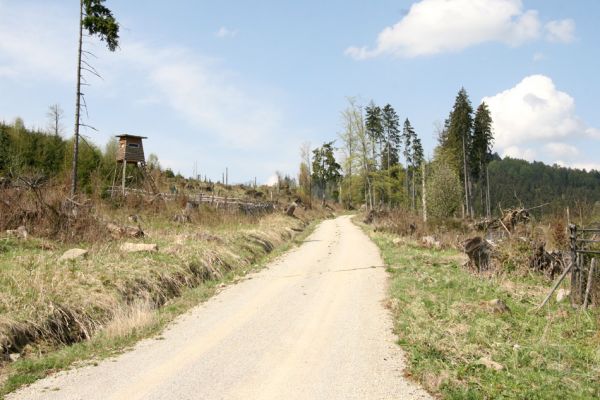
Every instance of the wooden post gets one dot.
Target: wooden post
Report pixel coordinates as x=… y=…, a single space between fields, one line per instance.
x=124 y=173
x=589 y=283
x=575 y=269
x=226 y=176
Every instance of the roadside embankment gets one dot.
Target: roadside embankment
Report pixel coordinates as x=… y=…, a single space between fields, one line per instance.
x=58 y=307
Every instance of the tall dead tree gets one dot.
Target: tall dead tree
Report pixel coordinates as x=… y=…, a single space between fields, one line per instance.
x=55 y=114
x=97 y=20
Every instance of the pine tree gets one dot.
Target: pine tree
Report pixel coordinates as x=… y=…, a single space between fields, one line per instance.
x=481 y=152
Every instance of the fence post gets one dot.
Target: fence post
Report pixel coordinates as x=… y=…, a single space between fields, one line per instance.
x=575 y=269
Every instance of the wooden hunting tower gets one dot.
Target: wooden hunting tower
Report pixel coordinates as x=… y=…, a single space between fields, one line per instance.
x=131 y=149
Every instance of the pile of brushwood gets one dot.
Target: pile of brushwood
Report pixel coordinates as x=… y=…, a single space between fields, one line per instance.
x=508 y=244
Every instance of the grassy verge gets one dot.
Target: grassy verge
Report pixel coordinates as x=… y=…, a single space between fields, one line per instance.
x=108 y=277
x=450 y=331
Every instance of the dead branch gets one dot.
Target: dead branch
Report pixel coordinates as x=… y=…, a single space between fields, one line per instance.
x=556 y=285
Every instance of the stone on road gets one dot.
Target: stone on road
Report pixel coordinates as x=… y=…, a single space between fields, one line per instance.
x=310 y=326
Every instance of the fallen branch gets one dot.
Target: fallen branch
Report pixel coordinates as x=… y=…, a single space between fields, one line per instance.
x=556 y=285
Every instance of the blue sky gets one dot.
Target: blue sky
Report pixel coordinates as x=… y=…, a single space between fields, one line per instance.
x=243 y=84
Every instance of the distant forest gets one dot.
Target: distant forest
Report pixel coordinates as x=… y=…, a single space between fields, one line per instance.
x=521 y=183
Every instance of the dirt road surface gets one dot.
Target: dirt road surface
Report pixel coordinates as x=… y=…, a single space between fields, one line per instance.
x=310 y=326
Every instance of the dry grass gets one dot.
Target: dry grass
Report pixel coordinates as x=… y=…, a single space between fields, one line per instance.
x=129 y=319
x=45 y=302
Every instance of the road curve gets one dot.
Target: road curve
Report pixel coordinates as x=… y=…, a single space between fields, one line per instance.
x=310 y=326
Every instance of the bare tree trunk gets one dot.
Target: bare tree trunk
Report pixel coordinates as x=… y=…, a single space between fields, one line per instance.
x=466 y=178
x=77 y=106
x=424 y=195
x=487 y=192
x=413 y=194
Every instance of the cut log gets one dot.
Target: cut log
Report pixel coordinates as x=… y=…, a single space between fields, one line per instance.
x=139 y=247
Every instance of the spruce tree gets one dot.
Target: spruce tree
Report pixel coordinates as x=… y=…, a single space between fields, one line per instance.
x=456 y=142
x=374 y=128
x=481 y=152
x=391 y=133
x=408 y=134
x=418 y=157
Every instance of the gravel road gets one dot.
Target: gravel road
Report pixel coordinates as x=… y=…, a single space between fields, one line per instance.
x=310 y=326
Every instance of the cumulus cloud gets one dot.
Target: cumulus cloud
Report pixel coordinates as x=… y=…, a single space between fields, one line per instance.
x=560 y=31
x=535 y=120
x=533 y=110
x=224 y=32
x=439 y=26
x=561 y=150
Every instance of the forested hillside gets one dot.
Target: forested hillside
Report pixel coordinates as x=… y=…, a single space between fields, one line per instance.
x=518 y=182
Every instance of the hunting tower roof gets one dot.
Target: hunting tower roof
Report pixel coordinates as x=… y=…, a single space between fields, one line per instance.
x=125 y=135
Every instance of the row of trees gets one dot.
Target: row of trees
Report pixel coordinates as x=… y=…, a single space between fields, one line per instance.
x=373 y=142
x=383 y=162
x=465 y=145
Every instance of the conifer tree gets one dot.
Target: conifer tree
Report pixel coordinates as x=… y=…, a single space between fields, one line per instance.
x=391 y=133
x=407 y=137
x=456 y=142
x=374 y=128
x=481 y=152
x=418 y=158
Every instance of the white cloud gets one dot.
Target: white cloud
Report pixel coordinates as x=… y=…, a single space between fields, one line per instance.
x=558 y=149
x=560 y=31
x=534 y=120
x=593 y=133
x=439 y=26
x=591 y=166
x=224 y=32
x=533 y=110
x=517 y=152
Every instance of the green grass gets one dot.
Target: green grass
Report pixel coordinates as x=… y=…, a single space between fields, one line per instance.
x=106 y=271
x=445 y=326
